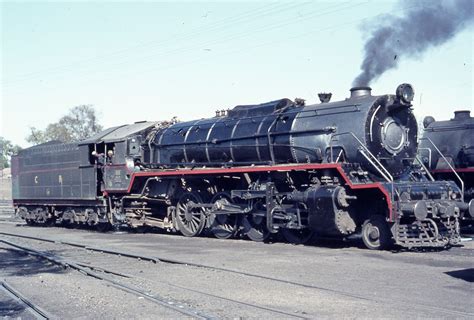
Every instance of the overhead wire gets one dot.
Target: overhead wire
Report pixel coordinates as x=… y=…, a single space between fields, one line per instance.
x=225 y=39
x=219 y=25
x=280 y=24
x=332 y=27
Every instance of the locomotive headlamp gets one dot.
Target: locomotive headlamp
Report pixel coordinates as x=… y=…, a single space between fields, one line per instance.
x=405 y=93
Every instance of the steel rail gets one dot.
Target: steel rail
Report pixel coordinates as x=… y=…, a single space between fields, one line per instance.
x=92 y=267
x=127 y=288
x=37 y=312
x=156 y=259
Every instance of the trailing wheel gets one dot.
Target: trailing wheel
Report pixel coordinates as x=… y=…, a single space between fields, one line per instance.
x=376 y=233
x=224 y=226
x=297 y=236
x=190 y=219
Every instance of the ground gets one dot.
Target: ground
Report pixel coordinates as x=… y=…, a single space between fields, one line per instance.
x=326 y=279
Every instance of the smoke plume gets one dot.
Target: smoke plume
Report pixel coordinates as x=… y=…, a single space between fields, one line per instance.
x=424 y=24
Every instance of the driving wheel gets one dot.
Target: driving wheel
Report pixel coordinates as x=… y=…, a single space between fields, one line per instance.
x=224 y=226
x=297 y=236
x=255 y=227
x=190 y=218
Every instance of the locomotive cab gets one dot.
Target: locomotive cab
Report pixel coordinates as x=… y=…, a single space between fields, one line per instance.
x=116 y=153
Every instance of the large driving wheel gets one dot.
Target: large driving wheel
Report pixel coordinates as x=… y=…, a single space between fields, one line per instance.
x=103 y=226
x=224 y=226
x=255 y=227
x=190 y=220
x=376 y=233
x=297 y=236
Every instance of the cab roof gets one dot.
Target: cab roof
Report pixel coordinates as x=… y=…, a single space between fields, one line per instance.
x=119 y=133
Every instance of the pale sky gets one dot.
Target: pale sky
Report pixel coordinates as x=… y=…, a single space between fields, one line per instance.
x=153 y=60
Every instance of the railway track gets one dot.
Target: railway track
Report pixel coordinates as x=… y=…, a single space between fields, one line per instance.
x=157 y=260
x=98 y=272
x=36 y=311
x=88 y=270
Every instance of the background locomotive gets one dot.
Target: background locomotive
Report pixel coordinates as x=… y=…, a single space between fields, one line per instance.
x=455 y=140
x=334 y=168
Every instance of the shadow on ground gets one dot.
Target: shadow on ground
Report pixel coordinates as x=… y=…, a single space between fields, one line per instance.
x=463 y=274
x=16 y=263
x=10 y=309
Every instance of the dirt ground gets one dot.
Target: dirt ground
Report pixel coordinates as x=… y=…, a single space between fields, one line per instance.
x=322 y=280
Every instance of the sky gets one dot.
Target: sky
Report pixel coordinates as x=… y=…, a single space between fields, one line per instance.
x=152 y=60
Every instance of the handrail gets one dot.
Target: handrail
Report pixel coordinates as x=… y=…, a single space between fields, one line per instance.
x=449 y=164
x=424 y=167
x=339 y=156
x=381 y=168
x=386 y=174
x=373 y=164
x=429 y=155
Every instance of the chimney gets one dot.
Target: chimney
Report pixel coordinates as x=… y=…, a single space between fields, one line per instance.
x=360 y=92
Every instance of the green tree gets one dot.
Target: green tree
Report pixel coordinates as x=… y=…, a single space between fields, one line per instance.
x=80 y=123
x=7 y=149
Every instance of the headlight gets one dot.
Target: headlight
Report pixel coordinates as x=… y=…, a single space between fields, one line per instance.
x=405 y=93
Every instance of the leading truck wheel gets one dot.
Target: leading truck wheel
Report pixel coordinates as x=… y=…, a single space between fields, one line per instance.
x=376 y=233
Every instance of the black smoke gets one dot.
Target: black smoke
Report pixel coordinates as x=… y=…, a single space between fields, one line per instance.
x=423 y=24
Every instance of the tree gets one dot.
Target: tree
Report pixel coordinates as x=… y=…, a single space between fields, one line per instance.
x=80 y=123
x=7 y=149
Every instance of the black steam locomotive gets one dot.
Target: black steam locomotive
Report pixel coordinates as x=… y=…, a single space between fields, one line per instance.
x=455 y=159
x=334 y=169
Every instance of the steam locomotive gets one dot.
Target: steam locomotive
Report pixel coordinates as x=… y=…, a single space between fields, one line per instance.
x=332 y=169
x=455 y=159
